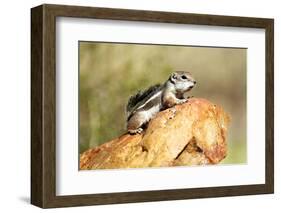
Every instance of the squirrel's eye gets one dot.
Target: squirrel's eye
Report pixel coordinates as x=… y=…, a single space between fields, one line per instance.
x=183 y=77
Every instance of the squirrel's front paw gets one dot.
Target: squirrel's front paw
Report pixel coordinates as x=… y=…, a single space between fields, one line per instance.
x=182 y=101
x=135 y=131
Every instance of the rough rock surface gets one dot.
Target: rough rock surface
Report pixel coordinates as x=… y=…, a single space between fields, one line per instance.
x=193 y=133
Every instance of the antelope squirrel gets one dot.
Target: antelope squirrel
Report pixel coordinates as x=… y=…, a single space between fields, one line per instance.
x=142 y=106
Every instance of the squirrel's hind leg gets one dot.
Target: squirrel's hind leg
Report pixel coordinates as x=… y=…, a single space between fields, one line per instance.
x=135 y=131
x=135 y=123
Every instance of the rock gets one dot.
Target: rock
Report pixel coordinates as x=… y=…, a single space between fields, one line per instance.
x=193 y=133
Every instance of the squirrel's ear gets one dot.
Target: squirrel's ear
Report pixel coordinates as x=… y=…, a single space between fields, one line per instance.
x=174 y=76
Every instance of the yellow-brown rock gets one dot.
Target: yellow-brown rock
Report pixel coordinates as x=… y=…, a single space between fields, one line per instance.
x=193 y=133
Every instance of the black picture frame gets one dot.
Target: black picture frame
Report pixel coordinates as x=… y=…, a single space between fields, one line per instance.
x=43 y=105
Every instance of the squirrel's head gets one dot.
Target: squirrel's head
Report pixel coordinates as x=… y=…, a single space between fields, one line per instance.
x=182 y=80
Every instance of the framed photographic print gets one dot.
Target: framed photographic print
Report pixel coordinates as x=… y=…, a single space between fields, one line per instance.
x=136 y=106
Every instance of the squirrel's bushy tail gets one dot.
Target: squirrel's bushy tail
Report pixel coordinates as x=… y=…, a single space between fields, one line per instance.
x=139 y=97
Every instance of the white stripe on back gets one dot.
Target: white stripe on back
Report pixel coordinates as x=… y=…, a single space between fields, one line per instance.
x=152 y=97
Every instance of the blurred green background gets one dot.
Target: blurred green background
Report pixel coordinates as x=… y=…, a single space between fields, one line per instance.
x=111 y=72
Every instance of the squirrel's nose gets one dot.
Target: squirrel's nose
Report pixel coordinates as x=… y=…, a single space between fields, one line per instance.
x=194 y=82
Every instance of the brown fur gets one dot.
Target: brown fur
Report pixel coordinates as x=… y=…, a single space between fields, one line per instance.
x=135 y=122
